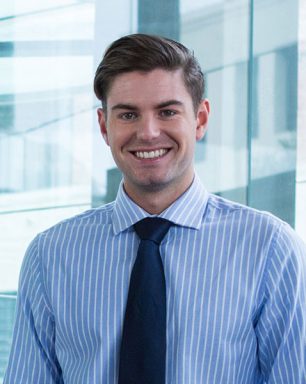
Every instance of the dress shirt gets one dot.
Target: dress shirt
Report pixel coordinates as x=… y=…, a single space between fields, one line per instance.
x=235 y=285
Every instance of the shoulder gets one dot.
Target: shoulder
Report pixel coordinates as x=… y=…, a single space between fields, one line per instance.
x=101 y=215
x=83 y=224
x=260 y=226
x=223 y=209
x=68 y=237
x=272 y=241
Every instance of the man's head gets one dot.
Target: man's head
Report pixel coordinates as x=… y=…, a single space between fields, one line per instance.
x=153 y=113
x=145 y=53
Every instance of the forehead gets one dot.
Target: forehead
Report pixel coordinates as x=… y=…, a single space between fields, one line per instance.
x=155 y=86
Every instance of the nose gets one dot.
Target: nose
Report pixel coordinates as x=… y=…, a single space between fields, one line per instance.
x=148 y=128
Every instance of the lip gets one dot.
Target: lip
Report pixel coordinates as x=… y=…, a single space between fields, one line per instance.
x=149 y=150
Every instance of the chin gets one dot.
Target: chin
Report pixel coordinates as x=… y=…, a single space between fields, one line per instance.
x=153 y=184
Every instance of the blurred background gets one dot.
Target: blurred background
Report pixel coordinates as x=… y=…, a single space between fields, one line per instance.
x=53 y=162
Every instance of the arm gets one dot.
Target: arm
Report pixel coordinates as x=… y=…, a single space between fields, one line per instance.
x=281 y=328
x=32 y=358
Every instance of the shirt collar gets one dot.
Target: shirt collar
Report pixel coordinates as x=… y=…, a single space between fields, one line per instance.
x=186 y=211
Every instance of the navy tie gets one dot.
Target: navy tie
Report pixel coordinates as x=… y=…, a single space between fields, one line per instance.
x=143 y=345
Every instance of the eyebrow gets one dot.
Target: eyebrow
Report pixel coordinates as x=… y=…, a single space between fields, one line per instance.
x=131 y=107
x=168 y=103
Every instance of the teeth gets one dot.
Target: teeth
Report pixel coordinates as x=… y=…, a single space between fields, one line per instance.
x=151 y=154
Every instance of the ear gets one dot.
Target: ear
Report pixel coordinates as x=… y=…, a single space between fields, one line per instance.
x=102 y=123
x=202 y=119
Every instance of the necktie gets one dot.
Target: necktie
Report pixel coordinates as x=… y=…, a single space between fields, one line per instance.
x=143 y=345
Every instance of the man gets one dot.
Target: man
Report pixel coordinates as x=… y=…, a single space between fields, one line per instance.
x=234 y=278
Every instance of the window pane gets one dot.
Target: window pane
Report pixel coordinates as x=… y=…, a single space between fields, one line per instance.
x=46 y=110
x=274 y=109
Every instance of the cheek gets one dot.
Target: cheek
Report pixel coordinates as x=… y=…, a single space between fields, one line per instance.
x=116 y=141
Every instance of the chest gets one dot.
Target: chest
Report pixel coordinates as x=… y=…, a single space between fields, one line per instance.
x=212 y=291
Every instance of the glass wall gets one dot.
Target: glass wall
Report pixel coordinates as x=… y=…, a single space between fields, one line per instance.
x=53 y=162
x=273 y=157
x=219 y=34
x=46 y=104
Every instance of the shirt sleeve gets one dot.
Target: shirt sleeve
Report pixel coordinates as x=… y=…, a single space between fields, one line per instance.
x=281 y=328
x=32 y=358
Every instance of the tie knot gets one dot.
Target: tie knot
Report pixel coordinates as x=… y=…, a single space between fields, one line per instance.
x=152 y=228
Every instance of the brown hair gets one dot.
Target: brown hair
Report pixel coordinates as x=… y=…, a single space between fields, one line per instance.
x=140 y=52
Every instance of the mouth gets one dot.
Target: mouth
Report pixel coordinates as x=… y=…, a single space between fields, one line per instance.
x=151 y=154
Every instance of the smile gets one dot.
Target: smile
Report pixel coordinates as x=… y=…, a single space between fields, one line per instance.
x=151 y=154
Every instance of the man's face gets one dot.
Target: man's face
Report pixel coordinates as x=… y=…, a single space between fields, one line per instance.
x=151 y=127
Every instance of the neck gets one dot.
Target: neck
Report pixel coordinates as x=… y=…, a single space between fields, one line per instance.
x=155 y=202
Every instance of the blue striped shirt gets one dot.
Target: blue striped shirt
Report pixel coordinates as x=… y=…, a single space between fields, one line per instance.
x=235 y=296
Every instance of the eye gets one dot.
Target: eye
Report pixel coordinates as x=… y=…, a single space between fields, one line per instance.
x=167 y=113
x=128 y=116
